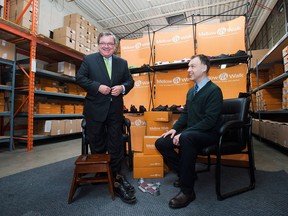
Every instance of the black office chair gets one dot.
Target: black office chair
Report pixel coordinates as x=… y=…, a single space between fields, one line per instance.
x=126 y=136
x=235 y=138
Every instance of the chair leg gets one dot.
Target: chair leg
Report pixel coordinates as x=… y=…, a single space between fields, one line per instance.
x=251 y=185
x=111 y=184
x=73 y=187
x=130 y=155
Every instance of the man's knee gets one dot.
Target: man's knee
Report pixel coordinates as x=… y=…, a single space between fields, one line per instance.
x=159 y=143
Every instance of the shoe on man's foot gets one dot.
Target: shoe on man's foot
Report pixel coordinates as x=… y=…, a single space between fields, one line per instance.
x=122 y=180
x=123 y=194
x=181 y=200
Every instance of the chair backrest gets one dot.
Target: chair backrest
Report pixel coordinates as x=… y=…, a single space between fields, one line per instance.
x=236 y=109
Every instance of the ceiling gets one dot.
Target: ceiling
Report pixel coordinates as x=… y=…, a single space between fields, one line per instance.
x=130 y=18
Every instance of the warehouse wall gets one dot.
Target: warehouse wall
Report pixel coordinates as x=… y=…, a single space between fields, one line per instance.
x=52 y=12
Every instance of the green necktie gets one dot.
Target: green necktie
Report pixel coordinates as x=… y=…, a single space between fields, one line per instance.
x=108 y=66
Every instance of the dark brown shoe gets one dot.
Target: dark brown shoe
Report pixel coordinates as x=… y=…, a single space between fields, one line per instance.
x=181 y=200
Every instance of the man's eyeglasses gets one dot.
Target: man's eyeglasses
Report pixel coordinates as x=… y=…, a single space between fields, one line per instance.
x=106 y=44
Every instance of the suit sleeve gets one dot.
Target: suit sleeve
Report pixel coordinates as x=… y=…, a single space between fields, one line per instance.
x=83 y=80
x=129 y=81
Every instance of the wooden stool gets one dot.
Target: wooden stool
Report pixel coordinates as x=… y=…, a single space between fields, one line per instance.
x=92 y=163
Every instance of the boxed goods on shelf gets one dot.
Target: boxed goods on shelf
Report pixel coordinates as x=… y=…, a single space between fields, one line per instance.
x=16 y=7
x=7 y=50
x=64 y=31
x=2 y=102
x=66 y=68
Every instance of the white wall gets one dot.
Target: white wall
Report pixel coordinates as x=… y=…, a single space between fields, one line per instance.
x=52 y=12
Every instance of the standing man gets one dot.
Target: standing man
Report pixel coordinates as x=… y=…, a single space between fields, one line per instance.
x=106 y=78
x=195 y=129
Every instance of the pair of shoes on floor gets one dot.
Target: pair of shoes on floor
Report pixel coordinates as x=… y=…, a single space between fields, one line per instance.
x=124 y=189
x=182 y=200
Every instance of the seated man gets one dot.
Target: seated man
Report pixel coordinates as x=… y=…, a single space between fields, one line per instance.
x=195 y=129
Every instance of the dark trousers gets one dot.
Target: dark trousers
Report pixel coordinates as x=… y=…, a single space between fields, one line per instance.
x=106 y=137
x=191 y=142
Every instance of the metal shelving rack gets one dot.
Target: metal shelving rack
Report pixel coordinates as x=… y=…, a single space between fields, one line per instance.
x=10 y=113
x=274 y=56
x=31 y=44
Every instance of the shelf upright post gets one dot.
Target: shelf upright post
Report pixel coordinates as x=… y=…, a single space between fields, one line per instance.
x=32 y=70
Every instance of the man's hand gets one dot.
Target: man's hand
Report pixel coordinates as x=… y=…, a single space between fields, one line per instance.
x=176 y=140
x=172 y=132
x=116 y=90
x=105 y=90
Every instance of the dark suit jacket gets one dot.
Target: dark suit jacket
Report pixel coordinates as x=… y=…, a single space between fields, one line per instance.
x=92 y=74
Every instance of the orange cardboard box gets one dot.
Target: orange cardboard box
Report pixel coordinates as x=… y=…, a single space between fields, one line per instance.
x=138 y=129
x=149 y=145
x=159 y=116
x=157 y=128
x=148 y=172
x=141 y=160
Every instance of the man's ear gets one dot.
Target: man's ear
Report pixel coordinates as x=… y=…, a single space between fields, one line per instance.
x=204 y=68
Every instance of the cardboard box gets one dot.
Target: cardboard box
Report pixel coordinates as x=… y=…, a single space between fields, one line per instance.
x=66 y=68
x=70 y=126
x=64 y=31
x=138 y=130
x=66 y=41
x=49 y=127
x=285 y=51
x=154 y=128
x=74 y=18
x=141 y=160
x=148 y=172
x=68 y=109
x=7 y=50
x=159 y=116
x=149 y=145
x=282 y=135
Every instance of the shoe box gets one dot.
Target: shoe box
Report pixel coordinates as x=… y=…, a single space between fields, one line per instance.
x=138 y=130
x=148 y=166
x=149 y=145
x=156 y=127
x=159 y=116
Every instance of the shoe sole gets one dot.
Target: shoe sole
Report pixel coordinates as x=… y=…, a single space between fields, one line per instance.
x=132 y=201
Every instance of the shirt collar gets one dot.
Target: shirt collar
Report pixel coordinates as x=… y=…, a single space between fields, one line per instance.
x=203 y=83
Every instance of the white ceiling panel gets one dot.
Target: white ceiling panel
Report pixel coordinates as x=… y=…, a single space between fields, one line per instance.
x=132 y=17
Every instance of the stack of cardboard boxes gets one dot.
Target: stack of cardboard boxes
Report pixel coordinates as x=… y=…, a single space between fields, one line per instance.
x=285 y=82
x=77 y=33
x=148 y=163
x=16 y=7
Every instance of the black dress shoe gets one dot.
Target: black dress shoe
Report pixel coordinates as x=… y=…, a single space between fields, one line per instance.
x=123 y=181
x=181 y=200
x=123 y=194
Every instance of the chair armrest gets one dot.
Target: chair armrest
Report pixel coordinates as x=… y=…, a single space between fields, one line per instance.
x=233 y=124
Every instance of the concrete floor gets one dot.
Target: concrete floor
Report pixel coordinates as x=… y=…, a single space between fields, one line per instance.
x=267 y=158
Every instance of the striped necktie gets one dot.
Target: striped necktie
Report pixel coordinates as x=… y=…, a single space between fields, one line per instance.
x=107 y=63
